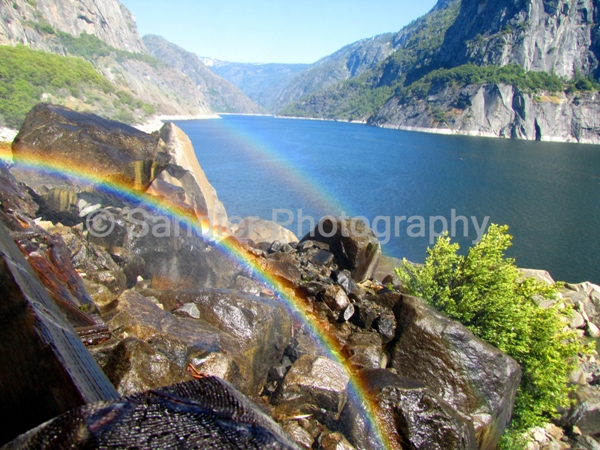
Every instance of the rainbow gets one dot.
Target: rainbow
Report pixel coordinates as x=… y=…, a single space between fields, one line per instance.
x=319 y=330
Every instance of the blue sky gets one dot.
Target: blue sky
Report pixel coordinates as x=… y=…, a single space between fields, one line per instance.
x=300 y=31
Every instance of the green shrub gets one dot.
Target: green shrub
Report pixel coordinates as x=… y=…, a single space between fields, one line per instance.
x=25 y=74
x=484 y=291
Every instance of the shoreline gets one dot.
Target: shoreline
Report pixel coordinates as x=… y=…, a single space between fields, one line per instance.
x=360 y=122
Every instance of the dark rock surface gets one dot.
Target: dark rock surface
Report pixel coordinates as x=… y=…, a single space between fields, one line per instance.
x=87 y=142
x=422 y=419
x=355 y=247
x=205 y=413
x=475 y=378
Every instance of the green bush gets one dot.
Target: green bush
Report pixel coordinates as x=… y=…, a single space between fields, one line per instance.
x=485 y=291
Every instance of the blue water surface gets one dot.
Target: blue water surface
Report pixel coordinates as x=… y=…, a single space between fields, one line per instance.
x=548 y=193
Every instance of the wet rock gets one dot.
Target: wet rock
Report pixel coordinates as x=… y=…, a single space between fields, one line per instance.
x=347 y=313
x=344 y=279
x=209 y=413
x=586 y=443
x=244 y=284
x=45 y=370
x=184 y=341
x=335 y=441
x=14 y=196
x=130 y=263
x=385 y=324
x=134 y=366
x=275 y=247
x=104 y=147
x=284 y=267
x=314 y=385
x=322 y=258
x=419 y=417
x=475 y=378
x=264 y=231
x=188 y=309
x=365 y=350
x=354 y=245
x=585 y=412
x=260 y=326
x=299 y=434
x=302 y=344
x=335 y=298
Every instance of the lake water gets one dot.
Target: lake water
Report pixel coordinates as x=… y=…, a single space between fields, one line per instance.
x=548 y=193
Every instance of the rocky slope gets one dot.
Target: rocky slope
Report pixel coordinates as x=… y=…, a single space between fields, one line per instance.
x=221 y=95
x=555 y=37
x=263 y=83
x=104 y=33
x=157 y=309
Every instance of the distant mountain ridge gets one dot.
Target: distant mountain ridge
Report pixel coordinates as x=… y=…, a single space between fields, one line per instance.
x=220 y=93
x=262 y=83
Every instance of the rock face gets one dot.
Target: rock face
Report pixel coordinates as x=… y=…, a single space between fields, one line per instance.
x=221 y=95
x=425 y=420
x=109 y=20
x=88 y=143
x=499 y=111
x=164 y=89
x=353 y=244
x=208 y=413
x=475 y=378
x=55 y=373
x=198 y=192
x=549 y=35
x=314 y=382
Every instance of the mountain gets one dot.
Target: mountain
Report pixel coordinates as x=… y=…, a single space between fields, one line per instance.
x=222 y=96
x=349 y=62
x=511 y=68
x=102 y=32
x=25 y=21
x=263 y=83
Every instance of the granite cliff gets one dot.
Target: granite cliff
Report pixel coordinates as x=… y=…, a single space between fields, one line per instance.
x=104 y=33
x=422 y=83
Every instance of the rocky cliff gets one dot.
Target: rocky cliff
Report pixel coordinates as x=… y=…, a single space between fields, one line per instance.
x=221 y=95
x=558 y=36
x=109 y=20
x=105 y=34
x=548 y=39
x=498 y=110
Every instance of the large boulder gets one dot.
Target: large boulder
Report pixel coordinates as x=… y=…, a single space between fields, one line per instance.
x=475 y=378
x=353 y=243
x=584 y=413
x=313 y=385
x=85 y=143
x=45 y=369
x=415 y=415
x=237 y=337
x=205 y=413
x=187 y=174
